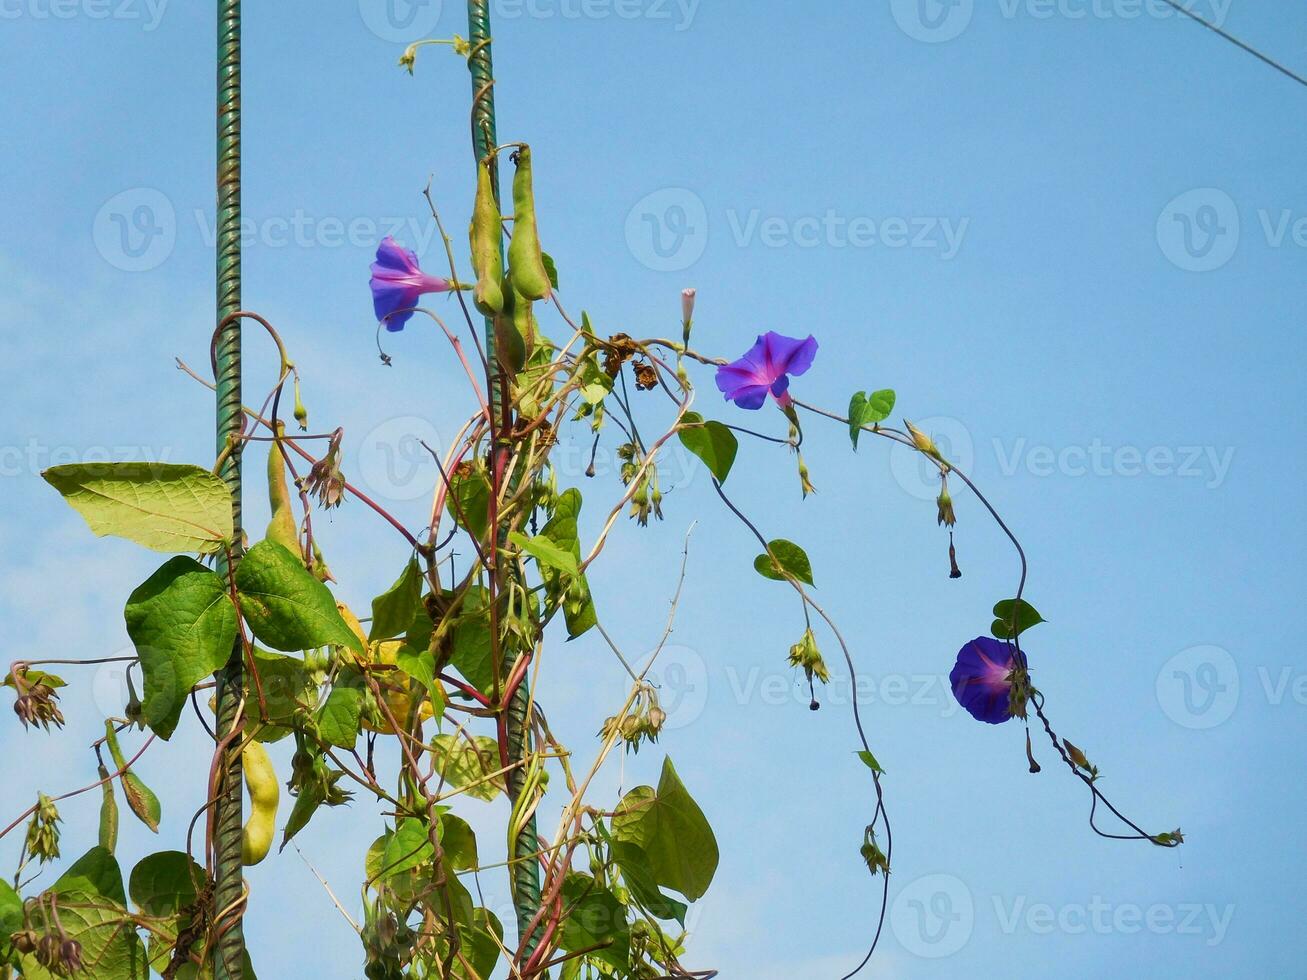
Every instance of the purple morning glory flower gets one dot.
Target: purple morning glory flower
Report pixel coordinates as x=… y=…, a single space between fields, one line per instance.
x=982 y=679
x=766 y=368
x=397 y=282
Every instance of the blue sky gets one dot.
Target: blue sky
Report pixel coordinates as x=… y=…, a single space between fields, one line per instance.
x=1071 y=234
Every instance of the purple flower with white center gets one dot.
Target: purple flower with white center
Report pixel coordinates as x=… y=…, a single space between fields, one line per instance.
x=982 y=679
x=766 y=368
x=397 y=283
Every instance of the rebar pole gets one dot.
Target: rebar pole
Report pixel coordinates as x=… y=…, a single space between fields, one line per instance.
x=228 y=894
x=526 y=874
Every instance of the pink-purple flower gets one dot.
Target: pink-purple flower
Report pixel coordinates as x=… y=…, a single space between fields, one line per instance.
x=767 y=367
x=982 y=679
x=397 y=283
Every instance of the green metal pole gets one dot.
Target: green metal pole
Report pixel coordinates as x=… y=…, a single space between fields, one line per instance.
x=526 y=876
x=228 y=954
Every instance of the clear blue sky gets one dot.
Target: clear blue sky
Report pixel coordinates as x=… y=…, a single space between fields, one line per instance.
x=990 y=207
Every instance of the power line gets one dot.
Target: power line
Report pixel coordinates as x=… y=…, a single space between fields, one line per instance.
x=1236 y=42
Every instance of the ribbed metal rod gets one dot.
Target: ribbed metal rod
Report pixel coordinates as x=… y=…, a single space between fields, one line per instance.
x=526 y=876
x=228 y=954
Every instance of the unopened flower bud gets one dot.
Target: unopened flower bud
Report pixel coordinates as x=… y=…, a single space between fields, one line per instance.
x=804 y=480
x=409 y=58
x=923 y=442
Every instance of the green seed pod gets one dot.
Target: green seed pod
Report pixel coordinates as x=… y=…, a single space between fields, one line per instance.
x=142 y=801
x=525 y=260
x=108 y=813
x=486 y=234
x=265 y=795
x=282 y=528
x=514 y=330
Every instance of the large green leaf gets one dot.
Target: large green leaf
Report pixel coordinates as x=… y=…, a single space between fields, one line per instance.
x=472 y=646
x=163 y=506
x=547 y=553
x=594 y=917
x=111 y=948
x=639 y=879
x=573 y=593
x=338 y=721
x=712 y=442
x=285 y=606
x=463 y=764
x=409 y=847
x=11 y=911
x=672 y=831
x=786 y=557
x=287 y=689
x=165 y=883
x=92 y=910
x=96 y=872
x=183 y=623
x=459 y=843
x=395 y=609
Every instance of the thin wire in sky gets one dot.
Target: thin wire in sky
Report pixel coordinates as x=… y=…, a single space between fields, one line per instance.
x=1235 y=41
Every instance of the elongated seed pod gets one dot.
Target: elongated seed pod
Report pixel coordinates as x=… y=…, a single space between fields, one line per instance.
x=281 y=528
x=486 y=235
x=108 y=813
x=526 y=262
x=140 y=798
x=265 y=795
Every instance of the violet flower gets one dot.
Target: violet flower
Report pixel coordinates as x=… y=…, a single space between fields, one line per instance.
x=397 y=283
x=982 y=679
x=766 y=368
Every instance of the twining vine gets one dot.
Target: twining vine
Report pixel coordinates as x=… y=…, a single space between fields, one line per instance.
x=427 y=704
